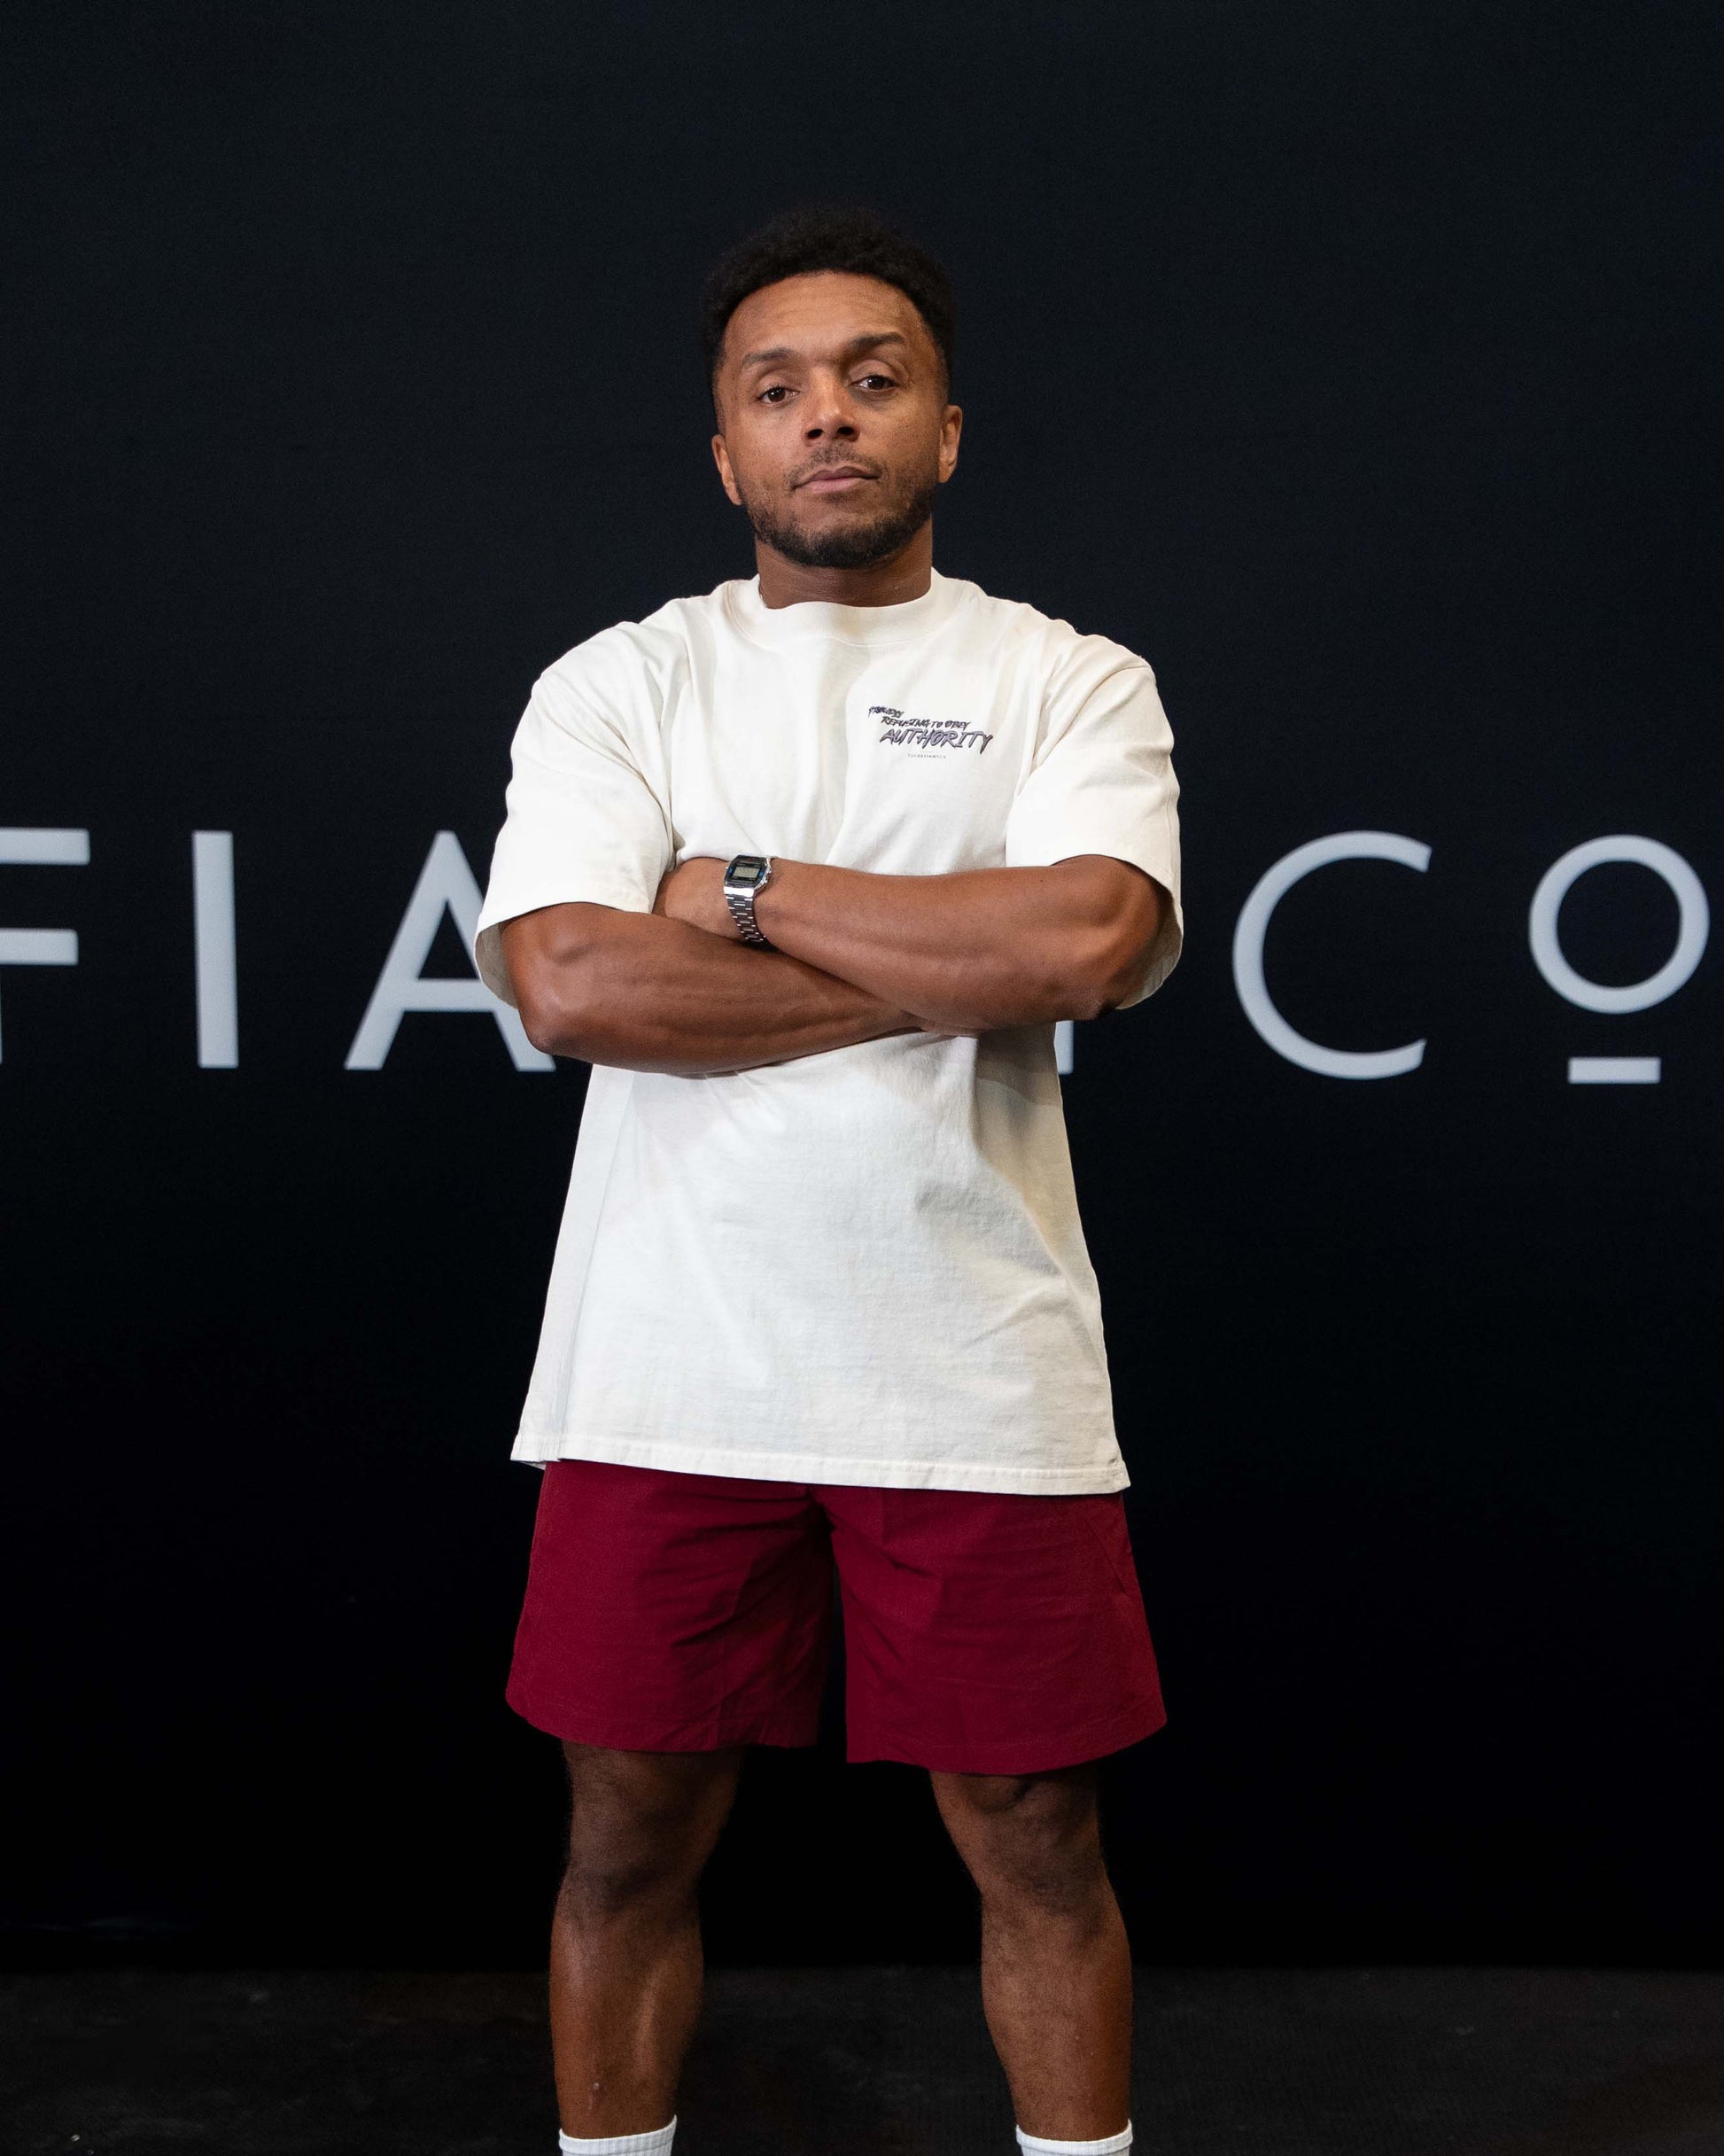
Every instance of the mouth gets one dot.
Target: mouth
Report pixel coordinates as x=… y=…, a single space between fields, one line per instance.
x=836 y=479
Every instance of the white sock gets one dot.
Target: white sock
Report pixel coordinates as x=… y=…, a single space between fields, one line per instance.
x=1034 y=2146
x=656 y=2144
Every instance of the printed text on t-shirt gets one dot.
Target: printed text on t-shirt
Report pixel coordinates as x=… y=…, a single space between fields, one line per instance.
x=926 y=736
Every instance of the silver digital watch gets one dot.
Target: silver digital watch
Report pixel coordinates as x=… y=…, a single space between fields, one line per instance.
x=746 y=876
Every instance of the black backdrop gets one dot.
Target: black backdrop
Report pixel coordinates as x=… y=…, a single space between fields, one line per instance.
x=1356 y=364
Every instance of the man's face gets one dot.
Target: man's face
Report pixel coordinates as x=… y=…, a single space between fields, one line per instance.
x=835 y=429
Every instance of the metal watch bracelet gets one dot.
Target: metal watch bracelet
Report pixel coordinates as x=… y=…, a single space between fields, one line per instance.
x=739 y=900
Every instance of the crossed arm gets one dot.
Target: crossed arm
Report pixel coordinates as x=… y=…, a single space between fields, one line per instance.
x=856 y=956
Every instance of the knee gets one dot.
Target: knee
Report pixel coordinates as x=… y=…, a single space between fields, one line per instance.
x=1031 y=1843
x=1007 y=1797
x=630 y=1855
x=631 y=1858
x=639 y=1832
x=606 y=1880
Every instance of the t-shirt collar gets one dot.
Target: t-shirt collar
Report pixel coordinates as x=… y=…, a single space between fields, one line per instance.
x=824 y=620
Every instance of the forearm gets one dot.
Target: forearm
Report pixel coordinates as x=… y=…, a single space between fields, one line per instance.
x=971 y=950
x=651 y=993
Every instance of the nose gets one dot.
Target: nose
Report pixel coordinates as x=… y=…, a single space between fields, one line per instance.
x=828 y=416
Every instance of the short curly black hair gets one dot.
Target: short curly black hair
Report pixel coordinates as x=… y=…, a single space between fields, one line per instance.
x=802 y=241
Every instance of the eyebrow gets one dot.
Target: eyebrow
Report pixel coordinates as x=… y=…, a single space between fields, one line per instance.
x=857 y=346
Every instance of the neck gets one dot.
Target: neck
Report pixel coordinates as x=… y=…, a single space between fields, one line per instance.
x=906 y=573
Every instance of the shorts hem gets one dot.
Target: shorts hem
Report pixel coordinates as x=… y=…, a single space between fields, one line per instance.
x=1035 y=1755
x=570 y=1726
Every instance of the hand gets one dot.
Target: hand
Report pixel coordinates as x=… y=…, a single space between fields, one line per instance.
x=694 y=892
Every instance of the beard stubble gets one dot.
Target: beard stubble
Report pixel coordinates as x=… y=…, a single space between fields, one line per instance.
x=855 y=546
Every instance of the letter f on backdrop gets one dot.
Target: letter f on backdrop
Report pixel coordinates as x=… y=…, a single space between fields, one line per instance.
x=21 y=847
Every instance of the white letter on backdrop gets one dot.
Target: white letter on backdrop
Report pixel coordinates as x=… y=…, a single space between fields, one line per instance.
x=41 y=848
x=446 y=880
x=1249 y=936
x=1694 y=921
x=212 y=942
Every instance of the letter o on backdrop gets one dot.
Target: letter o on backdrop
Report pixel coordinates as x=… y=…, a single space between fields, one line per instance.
x=1253 y=929
x=1693 y=916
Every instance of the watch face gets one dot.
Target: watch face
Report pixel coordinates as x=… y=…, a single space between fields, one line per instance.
x=747 y=872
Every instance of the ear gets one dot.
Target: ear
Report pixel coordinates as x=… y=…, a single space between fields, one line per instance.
x=951 y=426
x=721 y=458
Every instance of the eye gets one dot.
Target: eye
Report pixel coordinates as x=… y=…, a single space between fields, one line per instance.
x=771 y=395
x=882 y=381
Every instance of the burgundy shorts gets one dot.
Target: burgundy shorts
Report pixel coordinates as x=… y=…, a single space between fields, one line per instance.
x=984 y=1633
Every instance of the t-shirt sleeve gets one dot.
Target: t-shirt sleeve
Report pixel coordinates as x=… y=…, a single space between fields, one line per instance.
x=584 y=821
x=1102 y=782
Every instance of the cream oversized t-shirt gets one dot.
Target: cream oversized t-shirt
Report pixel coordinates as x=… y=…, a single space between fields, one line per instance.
x=863 y=1266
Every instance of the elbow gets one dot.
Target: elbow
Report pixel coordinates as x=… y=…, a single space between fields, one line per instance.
x=1080 y=977
x=554 y=1014
x=1126 y=948
x=543 y=1030
x=1094 y=999
x=1112 y=974
x=543 y=1025
x=1124 y=981
x=566 y=978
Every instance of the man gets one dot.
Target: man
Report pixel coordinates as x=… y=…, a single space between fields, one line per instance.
x=807 y=869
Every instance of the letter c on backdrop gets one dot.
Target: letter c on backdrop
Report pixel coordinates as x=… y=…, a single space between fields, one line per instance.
x=1253 y=929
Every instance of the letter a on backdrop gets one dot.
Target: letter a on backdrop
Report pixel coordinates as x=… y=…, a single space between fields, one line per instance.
x=445 y=881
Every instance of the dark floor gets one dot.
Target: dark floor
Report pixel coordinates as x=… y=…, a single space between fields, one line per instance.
x=872 y=2062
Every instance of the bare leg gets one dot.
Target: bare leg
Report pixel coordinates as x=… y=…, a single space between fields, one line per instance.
x=626 y=1939
x=1056 y=1968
